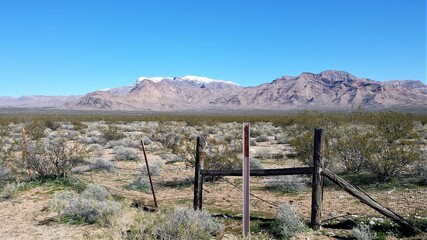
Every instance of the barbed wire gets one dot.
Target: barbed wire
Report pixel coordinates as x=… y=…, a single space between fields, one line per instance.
x=252 y=195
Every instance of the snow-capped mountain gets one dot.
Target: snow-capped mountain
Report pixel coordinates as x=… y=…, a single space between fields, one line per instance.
x=326 y=90
x=202 y=82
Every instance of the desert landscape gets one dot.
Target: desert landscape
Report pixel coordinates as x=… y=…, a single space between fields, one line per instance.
x=84 y=177
x=197 y=120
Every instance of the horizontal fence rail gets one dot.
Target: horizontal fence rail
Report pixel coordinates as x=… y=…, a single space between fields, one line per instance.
x=259 y=172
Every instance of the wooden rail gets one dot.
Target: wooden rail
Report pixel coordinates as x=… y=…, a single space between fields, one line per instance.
x=318 y=172
x=407 y=226
x=259 y=172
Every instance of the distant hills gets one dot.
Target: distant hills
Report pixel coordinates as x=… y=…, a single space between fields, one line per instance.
x=328 y=90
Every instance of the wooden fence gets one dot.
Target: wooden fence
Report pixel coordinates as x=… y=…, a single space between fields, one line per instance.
x=318 y=171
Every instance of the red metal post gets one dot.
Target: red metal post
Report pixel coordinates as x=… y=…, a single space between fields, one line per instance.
x=246 y=175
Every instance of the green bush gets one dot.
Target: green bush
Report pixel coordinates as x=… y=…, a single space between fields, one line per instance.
x=140 y=183
x=220 y=155
x=389 y=161
x=35 y=130
x=384 y=144
x=53 y=158
x=112 y=133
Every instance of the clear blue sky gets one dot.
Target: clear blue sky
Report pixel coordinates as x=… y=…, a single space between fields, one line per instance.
x=65 y=47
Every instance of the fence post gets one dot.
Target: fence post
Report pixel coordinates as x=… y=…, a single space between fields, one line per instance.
x=246 y=175
x=317 y=187
x=149 y=174
x=198 y=178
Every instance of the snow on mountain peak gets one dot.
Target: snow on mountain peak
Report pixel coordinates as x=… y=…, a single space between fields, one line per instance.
x=205 y=79
x=153 y=79
x=190 y=78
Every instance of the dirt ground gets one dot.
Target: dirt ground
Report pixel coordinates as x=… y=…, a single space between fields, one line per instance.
x=25 y=215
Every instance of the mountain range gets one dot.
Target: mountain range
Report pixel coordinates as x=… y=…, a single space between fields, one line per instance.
x=328 y=90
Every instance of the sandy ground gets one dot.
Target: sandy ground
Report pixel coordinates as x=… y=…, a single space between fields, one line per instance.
x=25 y=215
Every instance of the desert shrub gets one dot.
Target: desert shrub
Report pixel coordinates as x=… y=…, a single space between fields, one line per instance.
x=4 y=174
x=101 y=164
x=146 y=140
x=303 y=144
x=287 y=222
x=387 y=152
x=220 y=155
x=72 y=135
x=255 y=132
x=6 y=144
x=211 y=130
x=393 y=126
x=93 y=205
x=185 y=223
x=255 y=164
x=112 y=133
x=171 y=158
x=51 y=124
x=282 y=139
x=8 y=191
x=67 y=126
x=263 y=153
x=78 y=125
x=156 y=168
x=363 y=232
x=125 y=142
x=229 y=138
x=179 y=223
x=287 y=184
x=96 y=192
x=95 y=149
x=350 y=150
x=53 y=158
x=261 y=138
x=139 y=183
x=35 y=130
x=123 y=154
x=420 y=174
x=388 y=161
x=169 y=134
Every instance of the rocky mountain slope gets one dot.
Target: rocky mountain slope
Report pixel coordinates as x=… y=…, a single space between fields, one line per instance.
x=326 y=90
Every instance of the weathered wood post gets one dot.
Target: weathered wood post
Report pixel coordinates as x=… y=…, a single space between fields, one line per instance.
x=317 y=187
x=198 y=178
x=246 y=175
x=407 y=226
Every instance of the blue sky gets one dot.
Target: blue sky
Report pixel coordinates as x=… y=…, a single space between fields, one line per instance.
x=65 y=47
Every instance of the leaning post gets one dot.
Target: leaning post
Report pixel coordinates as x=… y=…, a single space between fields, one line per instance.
x=149 y=174
x=198 y=178
x=317 y=187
